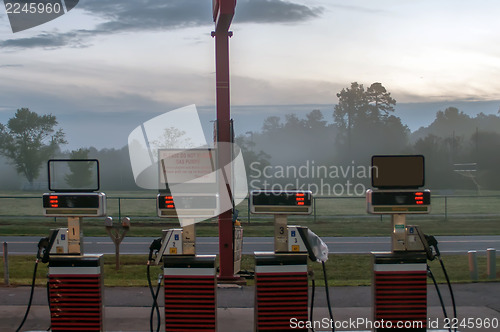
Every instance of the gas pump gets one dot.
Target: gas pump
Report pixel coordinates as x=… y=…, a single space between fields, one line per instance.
x=189 y=279
x=281 y=277
x=400 y=276
x=75 y=283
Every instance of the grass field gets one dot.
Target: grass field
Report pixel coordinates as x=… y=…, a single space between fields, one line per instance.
x=464 y=214
x=342 y=270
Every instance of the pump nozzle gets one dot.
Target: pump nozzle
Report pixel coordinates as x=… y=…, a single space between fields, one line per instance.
x=155 y=246
x=427 y=243
x=316 y=248
x=43 y=246
x=431 y=240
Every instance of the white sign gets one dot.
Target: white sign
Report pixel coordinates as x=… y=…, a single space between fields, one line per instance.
x=187 y=166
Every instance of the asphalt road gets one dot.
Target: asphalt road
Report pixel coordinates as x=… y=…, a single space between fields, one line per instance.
x=18 y=245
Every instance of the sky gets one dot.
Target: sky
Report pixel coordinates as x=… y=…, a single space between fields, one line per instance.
x=105 y=67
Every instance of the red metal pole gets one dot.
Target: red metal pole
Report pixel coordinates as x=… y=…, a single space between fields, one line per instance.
x=226 y=235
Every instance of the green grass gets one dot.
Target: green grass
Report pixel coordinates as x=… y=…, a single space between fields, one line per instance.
x=342 y=270
x=356 y=270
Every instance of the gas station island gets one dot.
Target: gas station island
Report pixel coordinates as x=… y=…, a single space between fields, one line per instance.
x=284 y=292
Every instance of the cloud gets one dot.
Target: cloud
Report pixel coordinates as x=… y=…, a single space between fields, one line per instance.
x=48 y=40
x=133 y=15
x=360 y=9
x=136 y=15
x=274 y=11
x=13 y=65
x=119 y=16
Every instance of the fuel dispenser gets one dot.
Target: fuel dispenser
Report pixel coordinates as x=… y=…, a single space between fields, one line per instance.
x=189 y=280
x=75 y=283
x=281 y=277
x=400 y=276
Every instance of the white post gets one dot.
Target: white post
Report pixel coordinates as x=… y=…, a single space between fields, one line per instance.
x=6 y=264
x=474 y=275
x=492 y=263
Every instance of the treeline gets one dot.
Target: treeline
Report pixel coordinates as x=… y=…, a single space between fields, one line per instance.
x=456 y=142
x=28 y=140
x=329 y=150
x=115 y=171
x=461 y=151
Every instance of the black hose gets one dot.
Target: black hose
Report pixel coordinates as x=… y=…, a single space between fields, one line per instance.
x=312 y=301
x=154 y=247
x=48 y=300
x=31 y=297
x=158 y=287
x=450 y=288
x=438 y=292
x=328 y=297
x=155 y=302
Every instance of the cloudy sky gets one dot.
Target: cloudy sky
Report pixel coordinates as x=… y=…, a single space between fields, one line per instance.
x=121 y=62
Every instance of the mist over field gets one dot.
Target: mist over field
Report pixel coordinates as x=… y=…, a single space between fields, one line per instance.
x=316 y=148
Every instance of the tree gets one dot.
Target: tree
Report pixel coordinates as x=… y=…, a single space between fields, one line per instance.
x=289 y=139
x=451 y=123
x=292 y=122
x=29 y=140
x=172 y=137
x=365 y=124
x=352 y=106
x=271 y=124
x=379 y=100
x=437 y=161
x=357 y=106
x=253 y=160
x=80 y=176
x=314 y=120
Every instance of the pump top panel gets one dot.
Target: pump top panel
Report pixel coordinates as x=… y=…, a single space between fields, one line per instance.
x=398 y=171
x=281 y=202
x=398 y=201
x=187 y=205
x=74 y=204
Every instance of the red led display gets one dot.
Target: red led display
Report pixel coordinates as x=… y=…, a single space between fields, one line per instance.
x=300 y=198
x=54 y=201
x=169 y=202
x=419 y=198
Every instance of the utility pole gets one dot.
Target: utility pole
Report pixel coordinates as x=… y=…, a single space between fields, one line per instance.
x=223 y=12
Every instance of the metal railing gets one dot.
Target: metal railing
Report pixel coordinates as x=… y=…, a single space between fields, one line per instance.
x=444 y=206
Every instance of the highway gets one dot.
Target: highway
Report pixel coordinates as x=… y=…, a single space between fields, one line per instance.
x=25 y=245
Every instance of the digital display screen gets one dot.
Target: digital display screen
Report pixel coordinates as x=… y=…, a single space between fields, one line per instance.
x=187 y=202
x=73 y=175
x=266 y=198
x=166 y=202
x=65 y=201
x=389 y=172
x=401 y=198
